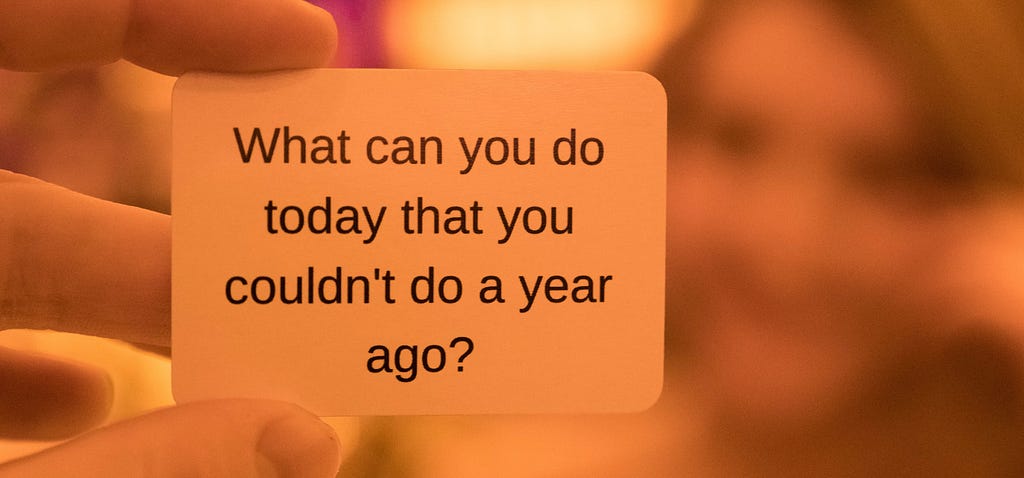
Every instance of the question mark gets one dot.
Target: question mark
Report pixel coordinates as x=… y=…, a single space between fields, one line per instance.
x=469 y=348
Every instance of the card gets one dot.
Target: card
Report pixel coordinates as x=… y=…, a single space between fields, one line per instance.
x=390 y=242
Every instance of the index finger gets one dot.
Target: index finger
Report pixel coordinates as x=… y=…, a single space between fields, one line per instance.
x=168 y=36
x=74 y=263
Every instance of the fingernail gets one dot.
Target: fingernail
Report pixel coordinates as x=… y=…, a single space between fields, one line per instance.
x=300 y=445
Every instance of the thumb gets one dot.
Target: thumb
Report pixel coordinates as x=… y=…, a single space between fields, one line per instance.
x=236 y=438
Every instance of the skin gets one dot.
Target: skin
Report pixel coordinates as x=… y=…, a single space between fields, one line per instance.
x=73 y=263
x=772 y=228
x=824 y=248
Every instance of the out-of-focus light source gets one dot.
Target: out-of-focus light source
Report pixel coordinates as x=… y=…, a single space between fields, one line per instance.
x=556 y=34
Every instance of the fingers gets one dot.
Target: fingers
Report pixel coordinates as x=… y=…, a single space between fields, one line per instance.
x=169 y=36
x=155 y=349
x=233 y=35
x=45 y=399
x=78 y=264
x=237 y=438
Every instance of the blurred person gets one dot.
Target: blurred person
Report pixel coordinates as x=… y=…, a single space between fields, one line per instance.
x=74 y=263
x=845 y=234
x=843 y=229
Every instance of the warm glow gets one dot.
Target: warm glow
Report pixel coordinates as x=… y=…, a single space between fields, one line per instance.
x=556 y=34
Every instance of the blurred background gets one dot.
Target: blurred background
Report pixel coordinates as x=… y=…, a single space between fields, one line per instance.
x=846 y=230
x=106 y=132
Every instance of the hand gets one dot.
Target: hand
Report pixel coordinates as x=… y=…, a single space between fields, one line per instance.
x=78 y=264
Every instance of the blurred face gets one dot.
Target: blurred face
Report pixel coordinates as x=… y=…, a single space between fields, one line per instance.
x=800 y=203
